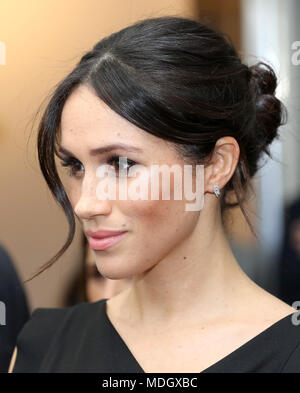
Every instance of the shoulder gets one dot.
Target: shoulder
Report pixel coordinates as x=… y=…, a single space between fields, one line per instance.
x=266 y=307
x=47 y=325
x=283 y=343
x=278 y=341
x=47 y=317
x=292 y=335
x=292 y=364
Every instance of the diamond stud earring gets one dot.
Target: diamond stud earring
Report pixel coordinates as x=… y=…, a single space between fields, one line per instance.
x=216 y=190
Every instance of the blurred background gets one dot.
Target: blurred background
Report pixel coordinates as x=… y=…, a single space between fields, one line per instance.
x=41 y=41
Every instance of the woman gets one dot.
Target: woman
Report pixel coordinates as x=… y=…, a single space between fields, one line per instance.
x=164 y=91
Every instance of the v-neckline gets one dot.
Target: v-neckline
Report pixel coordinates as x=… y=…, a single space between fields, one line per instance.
x=210 y=368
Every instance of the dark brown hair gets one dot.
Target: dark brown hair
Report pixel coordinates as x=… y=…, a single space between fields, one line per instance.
x=179 y=80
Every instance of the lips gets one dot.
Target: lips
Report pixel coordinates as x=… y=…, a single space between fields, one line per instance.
x=101 y=233
x=102 y=239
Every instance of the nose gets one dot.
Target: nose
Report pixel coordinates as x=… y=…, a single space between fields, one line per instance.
x=88 y=204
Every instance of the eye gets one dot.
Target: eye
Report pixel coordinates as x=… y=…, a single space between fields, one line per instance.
x=73 y=165
x=121 y=165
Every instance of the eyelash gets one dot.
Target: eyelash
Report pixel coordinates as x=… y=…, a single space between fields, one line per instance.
x=71 y=162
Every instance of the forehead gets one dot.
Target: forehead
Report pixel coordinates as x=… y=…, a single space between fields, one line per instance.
x=87 y=119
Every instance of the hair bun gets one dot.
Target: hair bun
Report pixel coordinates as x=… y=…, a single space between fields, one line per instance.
x=269 y=109
x=263 y=78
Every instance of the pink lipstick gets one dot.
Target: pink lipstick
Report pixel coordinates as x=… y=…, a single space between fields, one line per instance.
x=102 y=239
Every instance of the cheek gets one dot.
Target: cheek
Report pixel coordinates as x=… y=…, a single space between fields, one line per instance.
x=158 y=228
x=163 y=223
x=159 y=217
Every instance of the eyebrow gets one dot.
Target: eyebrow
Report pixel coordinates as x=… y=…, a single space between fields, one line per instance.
x=104 y=149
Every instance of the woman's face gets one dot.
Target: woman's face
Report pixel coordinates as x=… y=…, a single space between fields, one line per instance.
x=154 y=228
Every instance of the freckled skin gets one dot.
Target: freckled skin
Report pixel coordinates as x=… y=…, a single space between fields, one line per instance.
x=182 y=267
x=155 y=227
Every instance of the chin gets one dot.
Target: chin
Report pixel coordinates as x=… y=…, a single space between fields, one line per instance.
x=113 y=271
x=119 y=269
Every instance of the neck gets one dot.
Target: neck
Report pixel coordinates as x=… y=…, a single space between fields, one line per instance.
x=199 y=280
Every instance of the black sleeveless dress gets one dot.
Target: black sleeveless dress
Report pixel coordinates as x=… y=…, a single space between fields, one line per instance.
x=82 y=339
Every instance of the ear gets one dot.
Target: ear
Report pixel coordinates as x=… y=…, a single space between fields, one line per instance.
x=223 y=162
